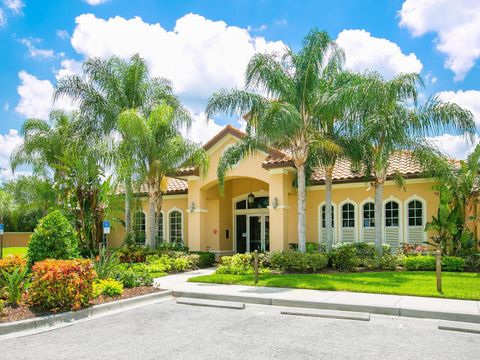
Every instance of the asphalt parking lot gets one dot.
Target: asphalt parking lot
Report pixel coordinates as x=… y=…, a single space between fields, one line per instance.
x=167 y=330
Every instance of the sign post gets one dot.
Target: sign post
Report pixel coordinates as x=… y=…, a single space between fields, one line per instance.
x=2 y=227
x=106 y=231
x=438 y=268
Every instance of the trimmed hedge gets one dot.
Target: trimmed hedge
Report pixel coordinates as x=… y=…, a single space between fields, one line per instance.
x=206 y=258
x=428 y=263
x=62 y=284
x=291 y=261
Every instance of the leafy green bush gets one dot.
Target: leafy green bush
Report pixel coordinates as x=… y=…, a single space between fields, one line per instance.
x=15 y=284
x=167 y=246
x=108 y=287
x=134 y=254
x=61 y=284
x=420 y=263
x=107 y=265
x=453 y=263
x=472 y=262
x=206 y=259
x=240 y=264
x=133 y=275
x=310 y=247
x=344 y=257
x=1 y=306
x=53 y=238
x=292 y=261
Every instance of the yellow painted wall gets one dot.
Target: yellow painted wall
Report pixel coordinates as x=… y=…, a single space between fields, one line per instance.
x=117 y=235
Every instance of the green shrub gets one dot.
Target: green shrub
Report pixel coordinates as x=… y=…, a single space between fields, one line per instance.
x=292 y=261
x=167 y=246
x=310 y=247
x=420 y=263
x=108 y=287
x=15 y=284
x=11 y=262
x=134 y=254
x=453 y=263
x=472 y=262
x=133 y=275
x=344 y=257
x=107 y=265
x=206 y=259
x=240 y=264
x=62 y=284
x=1 y=306
x=53 y=238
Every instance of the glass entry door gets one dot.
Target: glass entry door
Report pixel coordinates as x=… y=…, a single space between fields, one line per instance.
x=257 y=233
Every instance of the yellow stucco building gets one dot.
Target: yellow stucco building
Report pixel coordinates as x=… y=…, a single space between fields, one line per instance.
x=259 y=207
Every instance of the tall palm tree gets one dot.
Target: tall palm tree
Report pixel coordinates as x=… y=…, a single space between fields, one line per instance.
x=287 y=115
x=159 y=150
x=392 y=122
x=110 y=86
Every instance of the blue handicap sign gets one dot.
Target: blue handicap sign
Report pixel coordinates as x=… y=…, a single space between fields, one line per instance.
x=106 y=224
x=2 y=227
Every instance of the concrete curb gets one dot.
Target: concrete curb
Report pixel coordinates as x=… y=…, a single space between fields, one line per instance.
x=329 y=314
x=211 y=303
x=461 y=327
x=71 y=316
x=372 y=309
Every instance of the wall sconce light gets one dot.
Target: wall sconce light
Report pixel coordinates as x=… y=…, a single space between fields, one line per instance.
x=251 y=199
x=192 y=207
x=275 y=203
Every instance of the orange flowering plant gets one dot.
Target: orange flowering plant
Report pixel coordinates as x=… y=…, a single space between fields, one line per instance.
x=62 y=284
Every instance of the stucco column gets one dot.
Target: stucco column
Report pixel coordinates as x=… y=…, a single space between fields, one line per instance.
x=196 y=218
x=279 y=184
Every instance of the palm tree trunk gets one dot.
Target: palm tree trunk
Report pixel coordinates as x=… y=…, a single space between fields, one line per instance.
x=379 y=217
x=301 y=208
x=151 y=220
x=328 y=207
x=128 y=216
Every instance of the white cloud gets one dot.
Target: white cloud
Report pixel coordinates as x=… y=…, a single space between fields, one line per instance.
x=201 y=130
x=36 y=52
x=6 y=106
x=36 y=97
x=455 y=146
x=468 y=99
x=3 y=18
x=8 y=142
x=63 y=34
x=14 y=5
x=200 y=56
x=457 y=25
x=95 y=2
x=69 y=67
x=365 y=52
x=281 y=22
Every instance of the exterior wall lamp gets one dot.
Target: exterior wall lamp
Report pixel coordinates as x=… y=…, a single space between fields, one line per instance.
x=251 y=199
x=275 y=203
x=192 y=207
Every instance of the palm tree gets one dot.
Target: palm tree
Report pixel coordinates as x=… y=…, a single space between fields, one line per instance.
x=392 y=122
x=159 y=150
x=43 y=146
x=110 y=86
x=287 y=115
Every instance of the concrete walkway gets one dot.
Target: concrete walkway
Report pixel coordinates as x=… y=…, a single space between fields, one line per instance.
x=411 y=306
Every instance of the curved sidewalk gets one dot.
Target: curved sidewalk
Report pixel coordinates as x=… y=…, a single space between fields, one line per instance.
x=411 y=306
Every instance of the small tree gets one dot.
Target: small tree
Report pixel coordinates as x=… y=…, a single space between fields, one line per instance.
x=53 y=238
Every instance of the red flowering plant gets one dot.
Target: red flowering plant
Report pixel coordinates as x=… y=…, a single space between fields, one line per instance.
x=414 y=249
x=62 y=284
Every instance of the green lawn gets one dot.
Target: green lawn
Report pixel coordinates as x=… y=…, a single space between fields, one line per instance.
x=15 y=251
x=455 y=285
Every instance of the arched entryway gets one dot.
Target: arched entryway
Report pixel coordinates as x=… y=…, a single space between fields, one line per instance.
x=251 y=222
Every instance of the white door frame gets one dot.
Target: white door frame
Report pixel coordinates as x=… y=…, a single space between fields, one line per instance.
x=262 y=217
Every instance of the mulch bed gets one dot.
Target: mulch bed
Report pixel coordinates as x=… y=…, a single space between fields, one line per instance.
x=24 y=312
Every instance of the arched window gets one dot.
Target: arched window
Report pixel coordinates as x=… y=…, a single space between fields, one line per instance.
x=392 y=214
x=175 y=227
x=415 y=213
x=348 y=215
x=323 y=217
x=369 y=215
x=160 y=230
x=139 y=226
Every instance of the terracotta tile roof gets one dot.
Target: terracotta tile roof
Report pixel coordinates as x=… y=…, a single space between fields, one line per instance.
x=401 y=162
x=174 y=186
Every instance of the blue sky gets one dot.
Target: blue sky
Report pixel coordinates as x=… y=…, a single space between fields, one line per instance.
x=204 y=45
